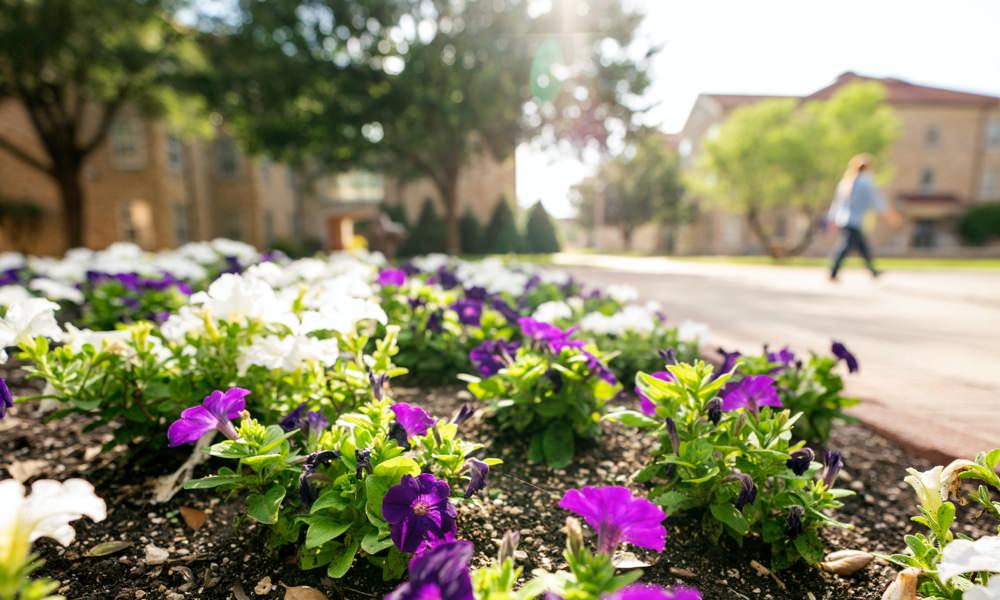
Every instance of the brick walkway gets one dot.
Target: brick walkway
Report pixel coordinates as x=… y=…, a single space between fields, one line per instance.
x=928 y=341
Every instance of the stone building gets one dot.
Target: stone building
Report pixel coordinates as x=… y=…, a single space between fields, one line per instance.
x=149 y=185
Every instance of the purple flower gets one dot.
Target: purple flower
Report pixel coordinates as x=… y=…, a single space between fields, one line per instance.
x=793 y=521
x=728 y=361
x=478 y=473
x=293 y=420
x=648 y=408
x=464 y=413
x=714 y=410
x=644 y=591
x=446 y=278
x=800 y=460
x=618 y=517
x=378 y=383
x=396 y=277
x=214 y=412
x=751 y=393
x=833 y=462
x=784 y=356
x=500 y=305
x=440 y=573
x=556 y=338
x=492 y=355
x=476 y=293
x=414 y=420
x=315 y=460
x=417 y=509
x=6 y=399
x=434 y=322
x=842 y=353
x=748 y=491
x=470 y=312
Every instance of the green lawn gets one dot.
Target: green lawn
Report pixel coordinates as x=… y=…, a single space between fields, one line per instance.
x=896 y=263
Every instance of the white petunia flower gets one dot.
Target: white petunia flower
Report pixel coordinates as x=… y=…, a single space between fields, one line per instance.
x=56 y=290
x=12 y=260
x=623 y=293
x=45 y=512
x=236 y=299
x=200 y=252
x=184 y=321
x=430 y=262
x=965 y=556
x=552 y=311
x=288 y=353
x=28 y=319
x=988 y=592
x=693 y=331
x=243 y=252
x=12 y=294
x=932 y=486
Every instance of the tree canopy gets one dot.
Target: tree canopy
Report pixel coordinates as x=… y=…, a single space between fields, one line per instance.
x=783 y=154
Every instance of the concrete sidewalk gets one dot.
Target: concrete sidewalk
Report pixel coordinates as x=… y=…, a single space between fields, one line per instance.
x=928 y=341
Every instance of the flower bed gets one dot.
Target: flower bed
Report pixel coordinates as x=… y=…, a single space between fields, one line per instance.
x=328 y=475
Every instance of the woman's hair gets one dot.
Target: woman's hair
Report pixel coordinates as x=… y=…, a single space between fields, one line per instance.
x=855 y=166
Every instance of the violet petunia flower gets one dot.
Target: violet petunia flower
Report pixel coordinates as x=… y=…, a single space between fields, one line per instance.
x=842 y=353
x=647 y=406
x=418 y=508
x=748 y=490
x=307 y=493
x=394 y=277
x=476 y=293
x=440 y=573
x=478 y=474
x=713 y=410
x=645 y=591
x=554 y=337
x=793 y=521
x=492 y=355
x=618 y=517
x=470 y=312
x=6 y=399
x=414 y=420
x=434 y=320
x=463 y=414
x=751 y=393
x=833 y=462
x=728 y=362
x=784 y=356
x=501 y=306
x=214 y=412
x=293 y=420
x=800 y=460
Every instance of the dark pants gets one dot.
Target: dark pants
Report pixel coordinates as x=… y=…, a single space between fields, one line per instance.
x=851 y=238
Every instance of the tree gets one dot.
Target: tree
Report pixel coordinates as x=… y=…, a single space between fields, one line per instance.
x=640 y=185
x=539 y=233
x=416 y=88
x=74 y=66
x=427 y=234
x=784 y=155
x=502 y=236
x=471 y=232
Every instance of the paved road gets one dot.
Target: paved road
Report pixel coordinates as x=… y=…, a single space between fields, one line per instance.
x=928 y=341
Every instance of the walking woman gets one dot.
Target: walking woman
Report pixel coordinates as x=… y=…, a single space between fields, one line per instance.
x=857 y=195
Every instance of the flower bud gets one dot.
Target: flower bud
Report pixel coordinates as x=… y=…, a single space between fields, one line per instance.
x=574 y=535
x=793 y=521
x=800 y=460
x=714 y=410
x=904 y=587
x=508 y=545
x=833 y=462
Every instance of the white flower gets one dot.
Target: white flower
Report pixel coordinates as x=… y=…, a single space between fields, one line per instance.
x=623 y=293
x=11 y=260
x=115 y=341
x=56 y=290
x=46 y=512
x=236 y=299
x=12 y=294
x=693 y=331
x=431 y=262
x=200 y=252
x=288 y=353
x=179 y=266
x=932 y=486
x=979 y=592
x=552 y=311
x=27 y=319
x=965 y=556
x=343 y=313
x=243 y=252
x=184 y=321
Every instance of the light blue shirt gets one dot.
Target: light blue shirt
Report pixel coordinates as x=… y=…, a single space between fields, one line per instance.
x=851 y=205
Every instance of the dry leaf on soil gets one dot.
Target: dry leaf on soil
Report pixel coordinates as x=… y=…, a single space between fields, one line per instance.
x=193 y=517
x=304 y=592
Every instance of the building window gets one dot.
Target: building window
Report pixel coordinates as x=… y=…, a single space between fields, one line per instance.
x=182 y=228
x=989 y=187
x=128 y=144
x=993 y=134
x=135 y=222
x=226 y=161
x=932 y=137
x=175 y=157
x=927 y=180
x=232 y=225
x=924 y=233
x=126 y=225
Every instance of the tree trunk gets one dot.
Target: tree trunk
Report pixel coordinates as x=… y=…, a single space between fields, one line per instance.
x=753 y=219
x=807 y=237
x=627 y=231
x=71 y=192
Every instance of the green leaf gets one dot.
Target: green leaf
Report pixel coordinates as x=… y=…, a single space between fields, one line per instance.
x=341 y=563
x=323 y=528
x=394 y=468
x=329 y=498
x=264 y=507
x=375 y=541
x=212 y=481
x=632 y=418
x=809 y=546
x=558 y=445
x=731 y=517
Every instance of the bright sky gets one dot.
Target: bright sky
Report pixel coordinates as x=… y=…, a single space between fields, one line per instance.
x=789 y=47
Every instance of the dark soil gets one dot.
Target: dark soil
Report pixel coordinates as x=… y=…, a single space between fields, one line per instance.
x=223 y=559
